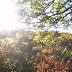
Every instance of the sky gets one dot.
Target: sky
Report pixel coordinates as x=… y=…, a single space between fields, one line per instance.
x=9 y=17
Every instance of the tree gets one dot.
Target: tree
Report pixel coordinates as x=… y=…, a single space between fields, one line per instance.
x=46 y=13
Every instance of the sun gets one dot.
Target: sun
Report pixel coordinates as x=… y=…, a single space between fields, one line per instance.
x=8 y=15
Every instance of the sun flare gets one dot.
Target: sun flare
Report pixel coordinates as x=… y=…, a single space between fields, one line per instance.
x=8 y=16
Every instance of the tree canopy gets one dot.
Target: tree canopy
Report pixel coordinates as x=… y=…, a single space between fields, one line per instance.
x=40 y=51
x=46 y=13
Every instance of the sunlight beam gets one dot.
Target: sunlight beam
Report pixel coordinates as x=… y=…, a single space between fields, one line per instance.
x=8 y=16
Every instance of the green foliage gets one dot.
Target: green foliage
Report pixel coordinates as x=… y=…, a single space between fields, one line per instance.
x=7 y=41
x=48 y=38
x=18 y=35
x=47 y=12
x=25 y=51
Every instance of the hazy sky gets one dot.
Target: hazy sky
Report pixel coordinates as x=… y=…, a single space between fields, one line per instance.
x=9 y=17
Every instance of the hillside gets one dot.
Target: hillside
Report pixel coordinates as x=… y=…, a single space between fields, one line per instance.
x=27 y=51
